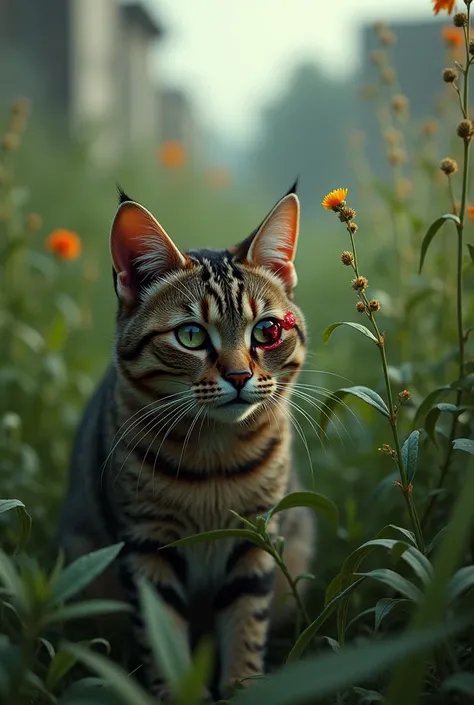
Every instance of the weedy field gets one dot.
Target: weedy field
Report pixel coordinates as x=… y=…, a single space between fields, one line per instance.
x=382 y=415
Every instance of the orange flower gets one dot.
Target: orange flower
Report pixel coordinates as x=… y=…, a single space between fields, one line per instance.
x=447 y=5
x=172 y=154
x=64 y=244
x=218 y=177
x=470 y=212
x=452 y=36
x=334 y=199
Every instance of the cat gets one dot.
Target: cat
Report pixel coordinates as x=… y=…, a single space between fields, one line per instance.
x=190 y=421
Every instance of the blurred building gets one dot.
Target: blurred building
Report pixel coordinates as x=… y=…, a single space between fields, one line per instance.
x=86 y=65
x=141 y=107
x=178 y=120
x=419 y=60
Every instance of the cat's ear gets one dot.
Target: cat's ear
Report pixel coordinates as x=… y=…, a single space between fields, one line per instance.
x=273 y=246
x=141 y=250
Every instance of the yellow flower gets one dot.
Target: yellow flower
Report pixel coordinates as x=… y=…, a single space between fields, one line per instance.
x=334 y=199
x=447 y=5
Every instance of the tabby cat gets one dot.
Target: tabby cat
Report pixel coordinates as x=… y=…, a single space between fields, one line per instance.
x=191 y=421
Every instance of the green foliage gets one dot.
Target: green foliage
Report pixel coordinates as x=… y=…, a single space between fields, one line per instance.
x=389 y=612
x=432 y=230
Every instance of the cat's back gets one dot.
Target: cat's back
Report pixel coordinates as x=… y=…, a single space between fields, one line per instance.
x=84 y=506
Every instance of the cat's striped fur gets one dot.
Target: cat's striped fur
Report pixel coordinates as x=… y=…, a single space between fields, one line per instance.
x=165 y=450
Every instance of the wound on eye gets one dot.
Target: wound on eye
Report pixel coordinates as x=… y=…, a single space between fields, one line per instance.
x=288 y=321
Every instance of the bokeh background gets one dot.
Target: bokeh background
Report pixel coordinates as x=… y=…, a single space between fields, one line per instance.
x=206 y=112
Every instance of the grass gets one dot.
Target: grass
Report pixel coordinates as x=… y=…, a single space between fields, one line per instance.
x=390 y=609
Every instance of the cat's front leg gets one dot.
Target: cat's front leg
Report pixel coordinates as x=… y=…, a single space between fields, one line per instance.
x=243 y=610
x=155 y=567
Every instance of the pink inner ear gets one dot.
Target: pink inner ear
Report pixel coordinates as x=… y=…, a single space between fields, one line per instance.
x=140 y=247
x=274 y=245
x=130 y=227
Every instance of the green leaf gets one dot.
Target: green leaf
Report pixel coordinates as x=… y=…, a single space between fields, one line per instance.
x=63 y=662
x=48 y=647
x=82 y=572
x=471 y=250
x=364 y=393
x=432 y=230
x=82 y=610
x=460 y=683
x=59 y=667
x=390 y=529
x=395 y=581
x=90 y=691
x=416 y=560
x=24 y=518
x=407 y=681
x=362 y=329
x=313 y=500
x=437 y=539
x=461 y=582
x=464 y=444
x=30 y=336
x=322 y=676
x=192 y=685
x=410 y=454
x=385 y=606
x=10 y=579
x=169 y=648
x=353 y=561
x=428 y=402
x=433 y=415
x=217 y=534
x=126 y=689
x=307 y=636
x=7 y=505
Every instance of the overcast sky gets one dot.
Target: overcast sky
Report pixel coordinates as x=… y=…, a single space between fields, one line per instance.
x=233 y=54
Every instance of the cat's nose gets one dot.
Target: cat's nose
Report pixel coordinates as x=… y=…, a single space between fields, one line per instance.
x=237 y=378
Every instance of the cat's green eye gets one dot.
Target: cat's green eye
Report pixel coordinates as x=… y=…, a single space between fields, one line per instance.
x=191 y=336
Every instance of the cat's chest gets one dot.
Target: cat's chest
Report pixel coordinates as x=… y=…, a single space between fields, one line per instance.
x=207 y=564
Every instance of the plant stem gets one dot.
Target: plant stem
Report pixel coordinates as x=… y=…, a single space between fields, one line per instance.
x=464 y=102
x=293 y=587
x=405 y=485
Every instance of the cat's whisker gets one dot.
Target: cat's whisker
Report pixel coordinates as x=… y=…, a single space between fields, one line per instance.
x=307 y=398
x=170 y=413
x=268 y=409
x=171 y=416
x=294 y=421
x=184 y=413
x=149 y=427
x=313 y=423
x=320 y=372
x=188 y=436
x=158 y=415
x=205 y=416
x=331 y=395
x=157 y=404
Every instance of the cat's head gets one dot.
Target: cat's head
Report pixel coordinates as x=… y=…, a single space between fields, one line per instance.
x=217 y=329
